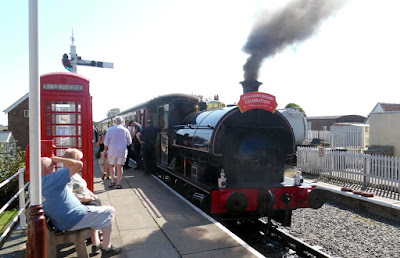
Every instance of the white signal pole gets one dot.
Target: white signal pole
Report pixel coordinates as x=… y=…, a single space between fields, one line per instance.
x=77 y=60
x=74 y=57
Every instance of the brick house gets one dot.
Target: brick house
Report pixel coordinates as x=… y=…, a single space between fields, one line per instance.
x=18 y=120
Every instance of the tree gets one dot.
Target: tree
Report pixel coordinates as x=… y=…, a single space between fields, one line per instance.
x=112 y=112
x=297 y=107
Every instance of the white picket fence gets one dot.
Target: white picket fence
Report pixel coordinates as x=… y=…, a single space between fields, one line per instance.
x=381 y=172
x=343 y=136
x=313 y=134
x=349 y=136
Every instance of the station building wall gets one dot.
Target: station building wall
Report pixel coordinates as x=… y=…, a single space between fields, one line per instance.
x=385 y=130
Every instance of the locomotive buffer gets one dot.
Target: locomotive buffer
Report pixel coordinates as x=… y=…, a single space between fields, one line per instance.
x=71 y=64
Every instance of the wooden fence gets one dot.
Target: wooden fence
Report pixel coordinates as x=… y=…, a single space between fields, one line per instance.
x=381 y=172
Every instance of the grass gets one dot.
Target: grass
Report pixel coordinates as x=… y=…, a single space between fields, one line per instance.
x=5 y=219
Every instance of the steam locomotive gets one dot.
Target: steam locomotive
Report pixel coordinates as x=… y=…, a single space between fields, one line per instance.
x=231 y=164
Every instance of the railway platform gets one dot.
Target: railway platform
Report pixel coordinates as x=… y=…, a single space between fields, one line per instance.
x=151 y=221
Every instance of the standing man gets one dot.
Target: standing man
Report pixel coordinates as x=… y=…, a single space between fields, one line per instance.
x=66 y=212
x=117 y=139
x=137 y=146
x=147 y=138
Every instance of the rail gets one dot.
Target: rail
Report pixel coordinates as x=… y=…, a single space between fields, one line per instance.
x=22 y=204
x=375 y=171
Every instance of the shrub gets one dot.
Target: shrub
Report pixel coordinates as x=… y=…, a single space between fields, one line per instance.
x=8 y=167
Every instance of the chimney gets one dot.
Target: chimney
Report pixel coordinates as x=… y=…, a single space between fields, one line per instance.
x=250 y=85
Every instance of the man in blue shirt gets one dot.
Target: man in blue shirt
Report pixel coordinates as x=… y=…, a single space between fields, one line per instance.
x=66 y=212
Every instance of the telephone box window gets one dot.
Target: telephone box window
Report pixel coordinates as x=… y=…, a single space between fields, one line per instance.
x=79 y=106
x=65 y=142
x=64 y=130
x=63 y=106
x=79 y=119
x=79 y=130
x=64 y=119
x=60 y=152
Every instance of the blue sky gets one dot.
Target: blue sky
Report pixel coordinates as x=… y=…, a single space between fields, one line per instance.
x=160 y=47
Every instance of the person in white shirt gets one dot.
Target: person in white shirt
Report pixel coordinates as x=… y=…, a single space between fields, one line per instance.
x=117 y=139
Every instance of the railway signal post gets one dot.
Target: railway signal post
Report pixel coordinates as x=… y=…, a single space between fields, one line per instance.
x=71 y=64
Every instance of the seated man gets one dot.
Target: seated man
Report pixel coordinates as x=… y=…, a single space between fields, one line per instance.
x=66 y=212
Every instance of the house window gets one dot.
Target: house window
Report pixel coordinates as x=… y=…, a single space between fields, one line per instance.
x=26 y=113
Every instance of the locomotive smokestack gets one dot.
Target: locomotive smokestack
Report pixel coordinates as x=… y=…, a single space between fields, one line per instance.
x=250 y=85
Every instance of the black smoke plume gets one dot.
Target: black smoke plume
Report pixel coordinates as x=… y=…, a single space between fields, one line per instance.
x=295 y=22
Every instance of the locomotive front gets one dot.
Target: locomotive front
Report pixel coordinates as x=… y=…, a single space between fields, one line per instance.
x=238 y=159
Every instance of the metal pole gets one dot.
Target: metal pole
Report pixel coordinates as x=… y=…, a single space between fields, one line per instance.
x=74 y=56
x=21 y=185
x=36 y=246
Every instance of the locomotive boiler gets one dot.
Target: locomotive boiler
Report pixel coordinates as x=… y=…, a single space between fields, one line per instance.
x=231 y=164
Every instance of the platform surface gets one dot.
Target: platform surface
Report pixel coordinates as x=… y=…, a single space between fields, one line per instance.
x=151 y=221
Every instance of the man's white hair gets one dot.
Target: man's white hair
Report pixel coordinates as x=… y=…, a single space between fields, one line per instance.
x=119 y=120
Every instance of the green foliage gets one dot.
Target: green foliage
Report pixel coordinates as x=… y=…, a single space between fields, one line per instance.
x=8 y=167
x=6 y=218
x=112 y=112
x=297 y=107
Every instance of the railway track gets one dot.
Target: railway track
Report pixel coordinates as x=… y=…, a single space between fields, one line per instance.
x=300 y=247
x=276 y=243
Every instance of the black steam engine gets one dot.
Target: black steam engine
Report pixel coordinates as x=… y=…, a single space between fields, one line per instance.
x=229 y=163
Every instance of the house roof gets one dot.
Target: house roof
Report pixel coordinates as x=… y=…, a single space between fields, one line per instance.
x=7 y=110
x=387 y=107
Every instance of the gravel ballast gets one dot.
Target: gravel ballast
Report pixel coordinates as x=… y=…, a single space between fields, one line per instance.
x=346 y=233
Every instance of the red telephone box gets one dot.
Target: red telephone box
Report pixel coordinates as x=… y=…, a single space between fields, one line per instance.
x=66 y=116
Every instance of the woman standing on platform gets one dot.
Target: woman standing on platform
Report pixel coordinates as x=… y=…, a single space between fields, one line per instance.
x=103 y=160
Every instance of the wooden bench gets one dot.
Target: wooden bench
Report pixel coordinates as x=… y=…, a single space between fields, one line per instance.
x=55 y=237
